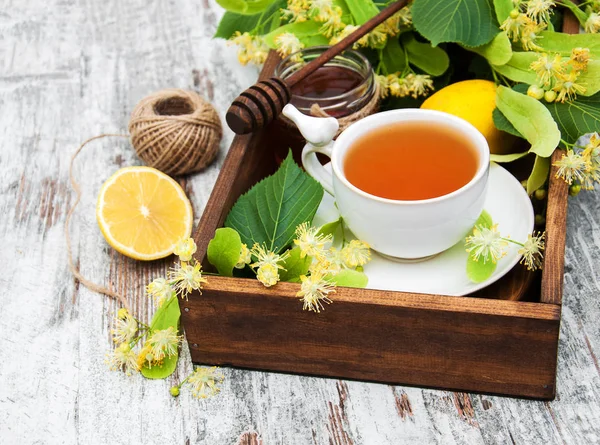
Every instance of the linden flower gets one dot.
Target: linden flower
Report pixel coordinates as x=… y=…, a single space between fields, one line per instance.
x=567 y=88
x=592 y=24
x=268 y=274
x=287 y=43
x=160 y=290
x=580 y=58
x=203 y=382
x=186 y=277
x=163 y=343
x=514 y=25
x=309 y=240
x=145 y=356
x=382 y=83
x=125 y=329
x=331 y=263
x=529 y=35
x=486 y=243
x=296 y=11
x=356 y=253
x=321 y=10
x=264 y=256
x=314 y=290
x=245 y=257
x=572 y=166
x=548 y=69
x=418 y=84
x=333 y=24
x=397 y=86
x=345 y=32
x=185 y=248
x=540 y=10
x=123 y=358
x=252 y=49
x=532 y=251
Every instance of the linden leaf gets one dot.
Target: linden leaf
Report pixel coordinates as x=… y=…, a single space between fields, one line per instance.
x=485 y=220
x=576 y=118
x=223 y=250
x=248 y=7
x=497 y=52
x=561 y=43
x=362 y=10
x=539 y=174
x=393 y=57
x=271 y=210
x=504 y=124
x=295 y=266
x=232 y=21
x=530 y=118
x=432 y=60
x=330 y=228
x=508 y=157
x=517 y=68
x=307 y=32
x=469 y=22
x=478 y=271
x=503 y=8
x=349 y=278
x=165 y=316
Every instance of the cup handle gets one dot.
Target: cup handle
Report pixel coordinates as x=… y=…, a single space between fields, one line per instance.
x=319 y=133
x=313 y=166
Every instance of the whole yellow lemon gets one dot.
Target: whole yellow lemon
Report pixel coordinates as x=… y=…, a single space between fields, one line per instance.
x=474 y=101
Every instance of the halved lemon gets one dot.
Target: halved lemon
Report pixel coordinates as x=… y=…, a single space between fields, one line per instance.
x=142 y=213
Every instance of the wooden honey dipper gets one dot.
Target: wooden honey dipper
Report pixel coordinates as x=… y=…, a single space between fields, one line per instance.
x=262 y=102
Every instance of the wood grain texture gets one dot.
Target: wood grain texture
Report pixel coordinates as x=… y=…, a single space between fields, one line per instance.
x=68 y=71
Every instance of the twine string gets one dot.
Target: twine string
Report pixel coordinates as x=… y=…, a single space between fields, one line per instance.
x=74 y=270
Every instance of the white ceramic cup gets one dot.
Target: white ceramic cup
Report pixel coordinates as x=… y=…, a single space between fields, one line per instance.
x=400 y=229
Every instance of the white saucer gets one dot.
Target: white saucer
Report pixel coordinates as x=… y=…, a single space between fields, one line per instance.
x=445 y=274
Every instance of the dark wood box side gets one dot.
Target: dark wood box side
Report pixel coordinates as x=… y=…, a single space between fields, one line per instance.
x=470 y=344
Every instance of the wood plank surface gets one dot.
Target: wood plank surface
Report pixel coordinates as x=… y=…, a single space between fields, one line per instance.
x=74 y=69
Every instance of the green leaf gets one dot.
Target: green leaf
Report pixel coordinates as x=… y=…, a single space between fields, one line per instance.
x=497 y=52
x=330 y=228
x=432 y=60
x=504 y=124
x=469 y=22
x=362 y=10
x=539 y=174
x=295 y=266
x=530 y=118
x=248 y=7
x=478 y=271
x=393 y=57
x=503 y=8
x=517 y=68
x=485 y=220
x=223 y=250
x=302 y=30
x=232 y=22
x=561 y=43
x=165 y=316
x=507 y=158
x=349 y=278
x=577 y=118
x=271 y=210
x=590 y=78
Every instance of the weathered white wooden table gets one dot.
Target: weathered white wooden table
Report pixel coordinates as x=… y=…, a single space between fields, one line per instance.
x=73 y=69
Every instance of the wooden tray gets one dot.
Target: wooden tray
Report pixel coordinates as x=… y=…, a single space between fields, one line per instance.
x=490 y=342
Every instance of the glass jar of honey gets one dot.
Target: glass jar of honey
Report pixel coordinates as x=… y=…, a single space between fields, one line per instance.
x=340 y=88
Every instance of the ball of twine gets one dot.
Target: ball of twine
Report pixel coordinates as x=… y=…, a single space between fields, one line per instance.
x=175 y=131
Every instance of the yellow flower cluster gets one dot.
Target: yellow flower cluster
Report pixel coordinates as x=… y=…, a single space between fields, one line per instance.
x=411 y=84
x=252 y=49
x=526 y=21
x=267 y=264
x=583 y=166
x=557 y=77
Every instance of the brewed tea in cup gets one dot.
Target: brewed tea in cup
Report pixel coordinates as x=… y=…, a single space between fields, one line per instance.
x=409 y=182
